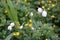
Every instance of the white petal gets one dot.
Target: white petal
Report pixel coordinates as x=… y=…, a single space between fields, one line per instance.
x=12 y=24
x=9 y=28
x=40 y=10
x=31 y=14
x=21 y=27
x=32 y=28
x=44 y=13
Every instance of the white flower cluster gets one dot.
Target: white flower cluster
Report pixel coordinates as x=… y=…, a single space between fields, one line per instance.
x=31 y=14
x=44 y=12
x=10 y=26
x=40 y=10
x=32 y=28
x=21 y=27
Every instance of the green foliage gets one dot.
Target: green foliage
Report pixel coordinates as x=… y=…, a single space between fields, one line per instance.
x=2 y=19
x=9 y=37
x=18 y=11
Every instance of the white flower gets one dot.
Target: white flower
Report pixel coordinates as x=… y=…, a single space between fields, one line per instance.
x=31 y=14
x=12 y=24
x=32 y=28
x=44 y=13
x=21 y=27
x=40 y=10
x=9 y=28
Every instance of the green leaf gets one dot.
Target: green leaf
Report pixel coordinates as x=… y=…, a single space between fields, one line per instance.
x=9 y=36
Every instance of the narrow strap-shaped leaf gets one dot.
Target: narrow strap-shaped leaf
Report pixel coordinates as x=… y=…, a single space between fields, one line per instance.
x=6 y=7
x=12 y=10
x=13 y=13
x=9 y=37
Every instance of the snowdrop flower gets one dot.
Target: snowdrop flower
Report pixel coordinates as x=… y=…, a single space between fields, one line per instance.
x=9 y=28
x=44 y=13
x=31 y=14
x=12 y=24
x=32 y=28
x=21 y=27
x=40 y=10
